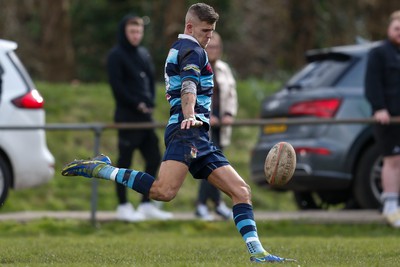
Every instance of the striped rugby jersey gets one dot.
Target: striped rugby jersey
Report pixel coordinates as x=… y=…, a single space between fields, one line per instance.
x=188 y=60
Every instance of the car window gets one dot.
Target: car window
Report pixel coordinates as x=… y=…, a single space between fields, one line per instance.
x=320 y=73
x=355 y=76
x=21 y=69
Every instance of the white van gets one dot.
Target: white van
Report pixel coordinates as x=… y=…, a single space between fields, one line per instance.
x=25 y=160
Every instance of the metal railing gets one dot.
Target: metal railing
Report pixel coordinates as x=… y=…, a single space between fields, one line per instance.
x=99 y=128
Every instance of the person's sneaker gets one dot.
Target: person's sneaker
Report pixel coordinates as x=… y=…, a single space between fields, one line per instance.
x=203 y=213
x=151 y=211
x=126 y=212
x=267 y=258
x=393 y=218
x=85 y=168
x=224 y=211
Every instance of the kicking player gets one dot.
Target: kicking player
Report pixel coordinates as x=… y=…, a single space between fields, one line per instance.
x=189 y=85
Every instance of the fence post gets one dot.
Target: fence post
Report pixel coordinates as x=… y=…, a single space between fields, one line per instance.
x=97 y=134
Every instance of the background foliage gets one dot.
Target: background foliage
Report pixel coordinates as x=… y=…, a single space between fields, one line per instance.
x=64 y=40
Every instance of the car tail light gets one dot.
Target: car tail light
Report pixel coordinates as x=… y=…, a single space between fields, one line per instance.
x=325 y=108
x=312 y=150
x=31 y=100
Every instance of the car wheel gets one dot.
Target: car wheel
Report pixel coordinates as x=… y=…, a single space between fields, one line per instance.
x=367 y=185
x=4 y=180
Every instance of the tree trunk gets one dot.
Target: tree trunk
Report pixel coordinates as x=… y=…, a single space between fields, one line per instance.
x=56 y=45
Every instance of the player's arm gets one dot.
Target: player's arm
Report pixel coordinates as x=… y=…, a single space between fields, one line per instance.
x=188 y=101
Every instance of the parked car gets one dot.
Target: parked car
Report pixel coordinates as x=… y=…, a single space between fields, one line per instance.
x=336 y=163
x=25 y=160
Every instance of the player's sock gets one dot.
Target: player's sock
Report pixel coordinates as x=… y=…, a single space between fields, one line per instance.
x=139 y=181
x=245 y=224
x=390 y=202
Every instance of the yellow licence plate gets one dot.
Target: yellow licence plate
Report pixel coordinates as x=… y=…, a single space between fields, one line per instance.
x=275 y=128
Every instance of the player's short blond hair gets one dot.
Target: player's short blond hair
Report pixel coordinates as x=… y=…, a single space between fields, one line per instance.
x=203 y=12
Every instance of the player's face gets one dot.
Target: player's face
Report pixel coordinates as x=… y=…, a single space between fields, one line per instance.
x=394 y=32
x=134 y=34
x=202 y=32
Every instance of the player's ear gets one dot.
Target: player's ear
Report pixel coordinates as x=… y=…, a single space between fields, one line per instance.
x=189 y=27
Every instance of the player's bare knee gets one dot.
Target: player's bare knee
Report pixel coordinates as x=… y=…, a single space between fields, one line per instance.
x=162 y=194
x=247 y=190
x=243 y=193
x=167 y=195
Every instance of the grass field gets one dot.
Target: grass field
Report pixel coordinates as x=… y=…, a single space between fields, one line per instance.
x=193 y=243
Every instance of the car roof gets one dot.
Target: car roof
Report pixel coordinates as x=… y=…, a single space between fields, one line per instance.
x=341 y=51
x=8 y=45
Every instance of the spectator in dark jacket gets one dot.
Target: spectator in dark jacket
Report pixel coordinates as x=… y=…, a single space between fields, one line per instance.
x=131 y=76
x=382 y=85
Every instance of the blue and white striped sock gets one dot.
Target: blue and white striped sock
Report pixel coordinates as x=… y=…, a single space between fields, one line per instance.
x=245 y=224
x=139 y=181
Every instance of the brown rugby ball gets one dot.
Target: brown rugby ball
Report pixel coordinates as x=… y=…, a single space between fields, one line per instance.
x=280 y=164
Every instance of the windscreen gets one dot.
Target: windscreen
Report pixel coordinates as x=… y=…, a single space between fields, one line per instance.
x=320 y=73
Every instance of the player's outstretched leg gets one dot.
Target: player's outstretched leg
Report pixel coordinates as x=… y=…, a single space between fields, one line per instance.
x=99 y=167
x=245 y=224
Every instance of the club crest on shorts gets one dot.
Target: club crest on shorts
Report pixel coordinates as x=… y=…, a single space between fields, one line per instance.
x=193 y=152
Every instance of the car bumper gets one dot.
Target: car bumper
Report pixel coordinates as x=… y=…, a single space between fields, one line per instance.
x=31 y=162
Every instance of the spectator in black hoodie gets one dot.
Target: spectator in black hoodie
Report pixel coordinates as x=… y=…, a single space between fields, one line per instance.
x=131 y=76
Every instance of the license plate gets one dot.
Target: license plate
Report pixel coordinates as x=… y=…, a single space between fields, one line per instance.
x=275 y=128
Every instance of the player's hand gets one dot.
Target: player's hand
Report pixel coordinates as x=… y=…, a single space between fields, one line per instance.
x=382 y=116
x=190 y=122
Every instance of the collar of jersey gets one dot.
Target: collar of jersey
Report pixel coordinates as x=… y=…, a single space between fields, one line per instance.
x=186 y=36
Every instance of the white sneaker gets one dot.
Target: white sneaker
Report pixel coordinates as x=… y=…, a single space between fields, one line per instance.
x=393 y=218
x=126 y=212
x=203 y=214
x=224 y=211
x=151 y=211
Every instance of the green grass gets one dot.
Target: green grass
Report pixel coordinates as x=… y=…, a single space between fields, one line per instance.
x=89 y=103
x=193 y=243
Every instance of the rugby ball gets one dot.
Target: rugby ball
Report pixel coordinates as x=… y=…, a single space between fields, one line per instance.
x=280 y=164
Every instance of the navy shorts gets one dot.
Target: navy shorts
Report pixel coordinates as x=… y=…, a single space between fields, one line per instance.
x=388 y=139
x=193 y=148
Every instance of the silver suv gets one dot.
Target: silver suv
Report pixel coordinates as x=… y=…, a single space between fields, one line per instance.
x=25 y=160
x=336 y=163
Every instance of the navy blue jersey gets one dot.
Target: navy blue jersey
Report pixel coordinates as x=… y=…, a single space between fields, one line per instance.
x=187 y=60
